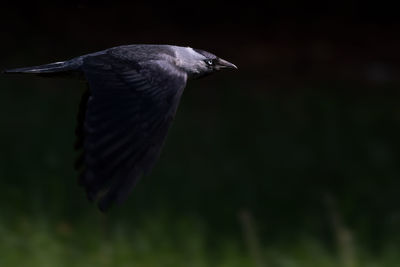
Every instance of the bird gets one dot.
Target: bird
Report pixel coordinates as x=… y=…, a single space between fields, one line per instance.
x=133 y=92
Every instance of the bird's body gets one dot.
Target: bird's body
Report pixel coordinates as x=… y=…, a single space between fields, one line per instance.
x=124 y=117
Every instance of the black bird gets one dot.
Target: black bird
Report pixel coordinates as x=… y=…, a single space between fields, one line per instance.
x=123 y=119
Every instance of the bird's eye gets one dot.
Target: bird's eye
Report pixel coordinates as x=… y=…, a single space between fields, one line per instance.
x=209 y=62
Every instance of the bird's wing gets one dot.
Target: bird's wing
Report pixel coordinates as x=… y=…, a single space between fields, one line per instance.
x=128 y=113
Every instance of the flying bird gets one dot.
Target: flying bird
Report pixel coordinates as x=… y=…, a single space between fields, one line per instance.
x=124 y=116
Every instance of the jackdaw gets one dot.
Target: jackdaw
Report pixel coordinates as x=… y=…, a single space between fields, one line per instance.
x=123 y=119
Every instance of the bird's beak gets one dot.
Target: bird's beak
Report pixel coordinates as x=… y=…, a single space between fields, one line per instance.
x=223 y=64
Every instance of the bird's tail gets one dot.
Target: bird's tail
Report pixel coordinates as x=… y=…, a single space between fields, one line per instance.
x=62 y=68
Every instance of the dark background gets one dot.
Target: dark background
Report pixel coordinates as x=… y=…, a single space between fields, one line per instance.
x=301 y=143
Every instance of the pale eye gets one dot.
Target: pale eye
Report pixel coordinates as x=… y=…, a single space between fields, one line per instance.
x=209 y=62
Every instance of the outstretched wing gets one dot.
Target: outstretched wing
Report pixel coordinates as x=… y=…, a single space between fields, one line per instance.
x=128 y=113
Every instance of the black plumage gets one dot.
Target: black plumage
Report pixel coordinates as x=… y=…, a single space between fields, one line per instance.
x=124 y=116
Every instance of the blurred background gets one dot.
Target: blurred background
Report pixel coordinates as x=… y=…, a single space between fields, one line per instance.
x=291 y=161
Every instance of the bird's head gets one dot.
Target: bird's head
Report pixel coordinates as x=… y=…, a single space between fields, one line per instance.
x=199 y=63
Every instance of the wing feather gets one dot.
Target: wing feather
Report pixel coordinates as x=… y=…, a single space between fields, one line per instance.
x=128 y=114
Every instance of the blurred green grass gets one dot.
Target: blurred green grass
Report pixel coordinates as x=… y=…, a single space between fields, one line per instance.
x=158 y=242
x=277 y=153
